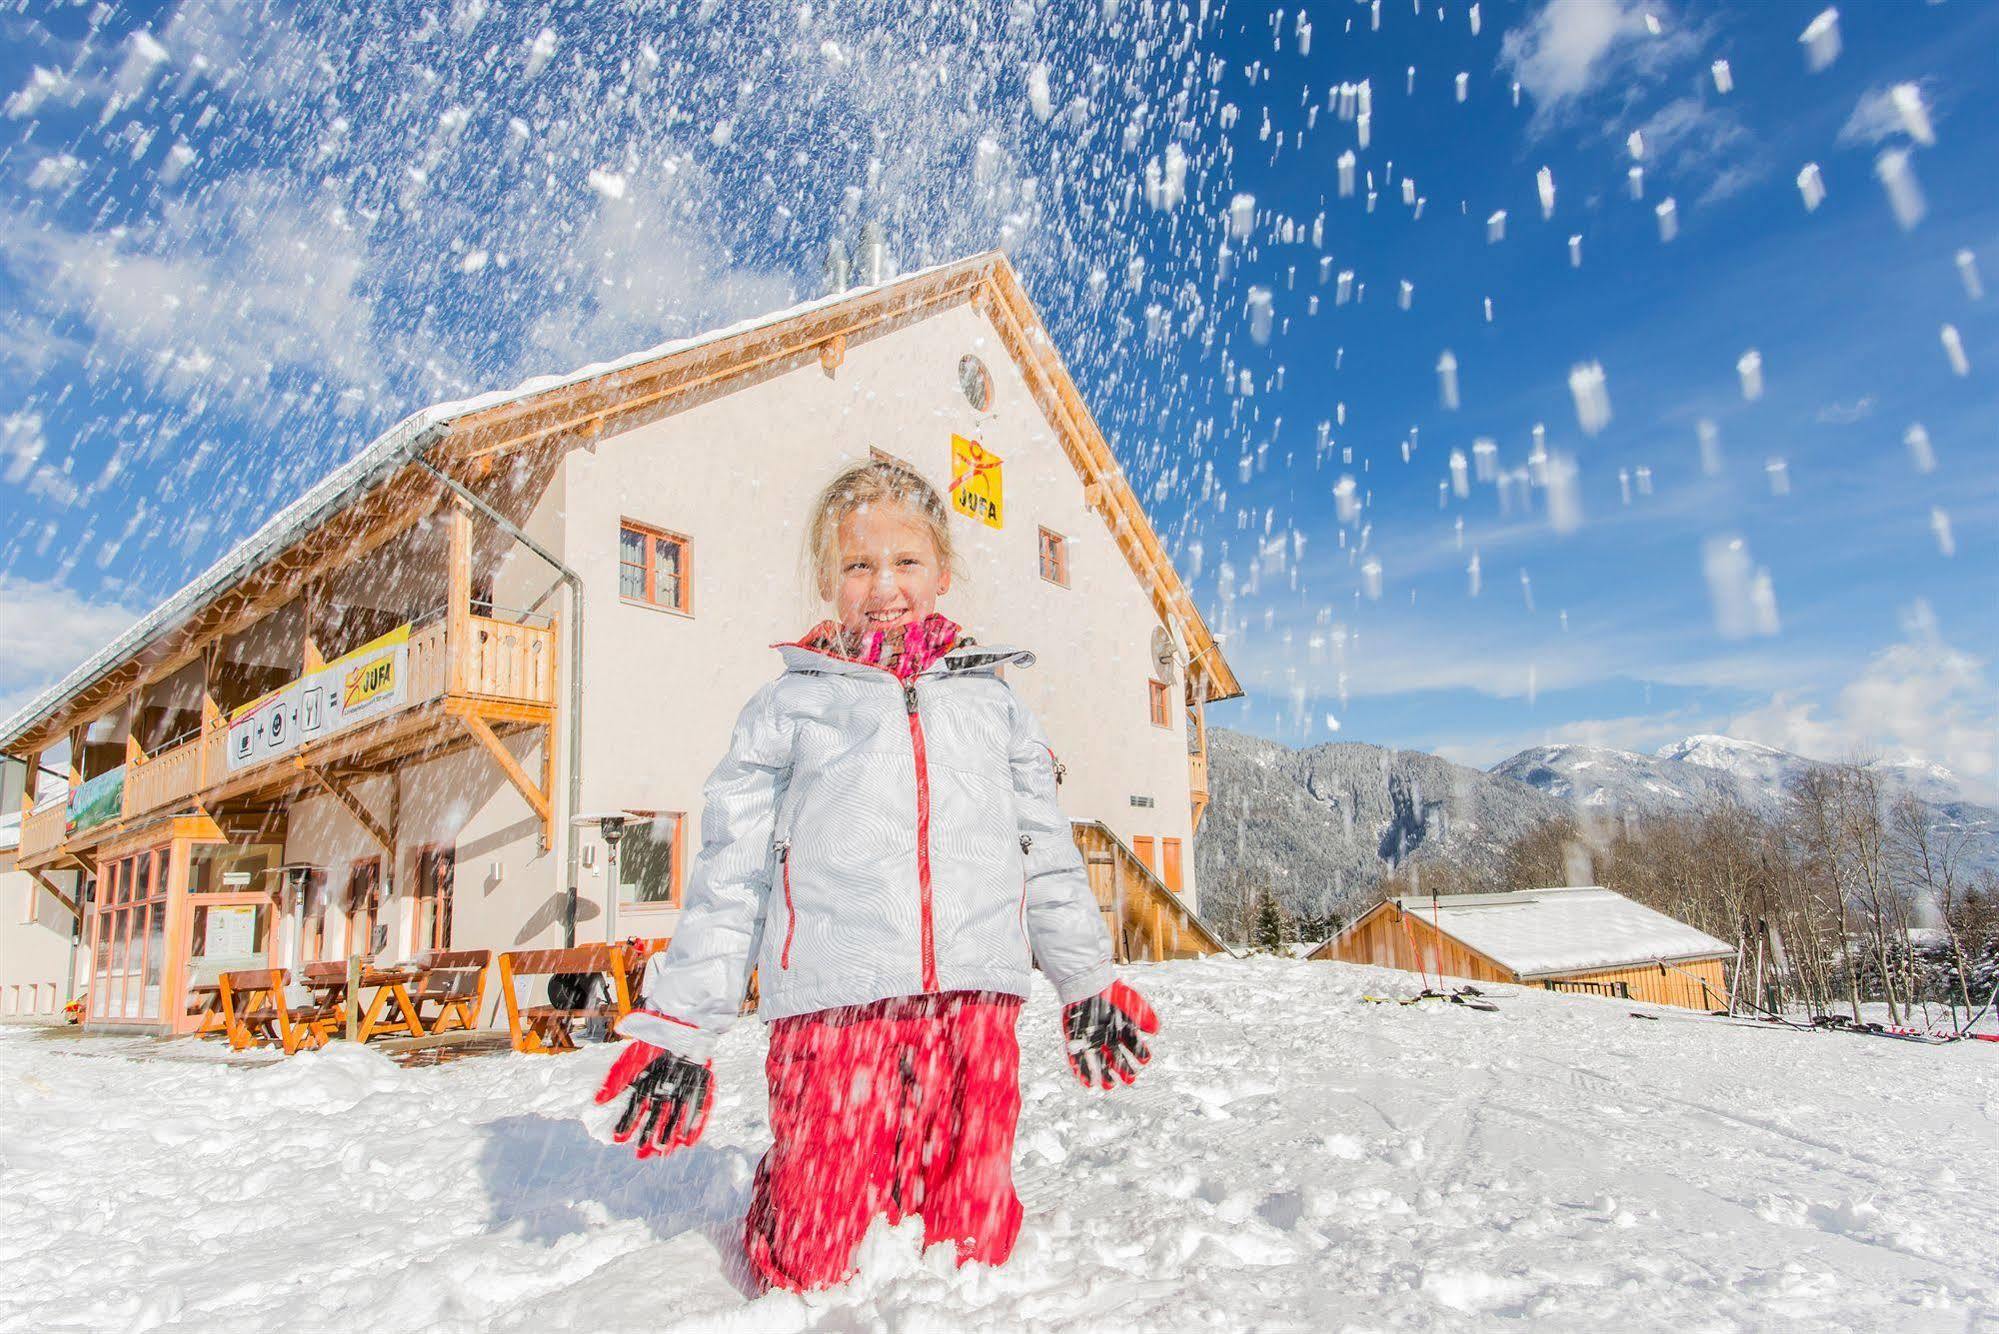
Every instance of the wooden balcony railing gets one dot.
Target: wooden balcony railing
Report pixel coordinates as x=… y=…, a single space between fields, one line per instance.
x=42 y=833
x=499 y=660
x=509 y=660
x=171 y=776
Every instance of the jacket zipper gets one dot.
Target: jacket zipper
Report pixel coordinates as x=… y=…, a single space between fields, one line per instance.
x=1026 y=847
x=790 y=912
x=922 y=834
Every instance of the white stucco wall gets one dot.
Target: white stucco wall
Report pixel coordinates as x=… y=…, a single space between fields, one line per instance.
x=737 y=475
x=35 y=956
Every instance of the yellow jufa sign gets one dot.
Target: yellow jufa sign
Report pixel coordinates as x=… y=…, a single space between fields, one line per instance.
x=975 y=482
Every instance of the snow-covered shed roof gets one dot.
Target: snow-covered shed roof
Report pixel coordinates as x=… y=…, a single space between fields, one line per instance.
x=1550 y=932
x=398 y=446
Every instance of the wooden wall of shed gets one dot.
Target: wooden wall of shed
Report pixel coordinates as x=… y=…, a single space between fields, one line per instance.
x=1380 y=939
x=1666 y=985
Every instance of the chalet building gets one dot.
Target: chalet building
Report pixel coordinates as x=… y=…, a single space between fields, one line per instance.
x=1586 y=940
x=395 y=717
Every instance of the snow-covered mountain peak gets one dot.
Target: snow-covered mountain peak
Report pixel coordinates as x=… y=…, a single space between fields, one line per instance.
x=1720 y=752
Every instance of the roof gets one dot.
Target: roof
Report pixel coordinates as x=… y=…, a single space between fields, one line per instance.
x=398 y=446
x=1551 y=932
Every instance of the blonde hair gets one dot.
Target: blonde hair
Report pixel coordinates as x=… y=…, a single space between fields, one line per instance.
x=876 y=482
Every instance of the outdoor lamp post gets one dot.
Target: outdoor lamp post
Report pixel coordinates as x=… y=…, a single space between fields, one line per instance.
x=611 y=825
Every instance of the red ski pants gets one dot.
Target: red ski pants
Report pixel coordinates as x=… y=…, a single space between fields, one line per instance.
x=900 y=1107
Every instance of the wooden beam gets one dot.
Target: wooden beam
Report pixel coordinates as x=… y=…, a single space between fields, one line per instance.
x=57 y=894
x=341 y=793
x=510 y=766
x=457 y=593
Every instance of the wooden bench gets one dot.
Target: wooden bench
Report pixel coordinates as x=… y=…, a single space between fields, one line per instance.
x=204 y=1003
x=390 y=1009
x=545 y=1028
x=256 y=1013
x=455 y=982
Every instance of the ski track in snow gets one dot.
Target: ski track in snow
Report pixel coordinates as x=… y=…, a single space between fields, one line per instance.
x=1293 y=1158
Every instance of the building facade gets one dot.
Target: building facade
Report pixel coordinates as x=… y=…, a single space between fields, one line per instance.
x=394 y=719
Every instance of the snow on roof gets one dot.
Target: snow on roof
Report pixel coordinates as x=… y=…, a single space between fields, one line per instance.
x=1541 y=932
x=382 y=457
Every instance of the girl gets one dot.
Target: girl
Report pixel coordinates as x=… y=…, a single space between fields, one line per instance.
x=884 y=845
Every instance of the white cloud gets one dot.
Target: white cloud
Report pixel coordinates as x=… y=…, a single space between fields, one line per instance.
x=50 y=629
x=223 y=291
x=1887 y=113
x=1571 y=49
x=1837 y=413
x=650 y=267
x=1920 y=699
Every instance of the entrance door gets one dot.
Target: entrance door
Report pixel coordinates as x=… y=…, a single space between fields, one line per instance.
x=436 y=868
x=128 y=949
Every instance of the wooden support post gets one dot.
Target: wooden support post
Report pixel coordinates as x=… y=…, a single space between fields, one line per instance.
x=135 y=712
x=57 y=894
x=350 y=1006
x=28 y=782
x=309 y=617
x=509 y=766
x=343 y=794
x=458 y=593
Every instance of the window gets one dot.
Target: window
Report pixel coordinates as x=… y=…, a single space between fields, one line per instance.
x=1170 y=848
x=436 y=869
x=654 y=568
x=1159 y=702
x=363 y=901
x=1054 y=558
x=649 y=861
x=883 y=456
x=1147 y=850
x=976 y=382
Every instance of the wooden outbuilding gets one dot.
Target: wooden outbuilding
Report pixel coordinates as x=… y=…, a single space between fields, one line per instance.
x=1585 y=939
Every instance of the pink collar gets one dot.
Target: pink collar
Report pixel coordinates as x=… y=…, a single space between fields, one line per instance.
x=922 y=644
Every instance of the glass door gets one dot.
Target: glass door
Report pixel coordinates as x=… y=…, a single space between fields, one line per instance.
x=128 y=943
x=230 y=909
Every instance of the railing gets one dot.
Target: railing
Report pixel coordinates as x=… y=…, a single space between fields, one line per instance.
x=509 y=660
x=1614 y=990
x=429 y=664
x=170 y=776
x=1144 y=918
x=42 y=832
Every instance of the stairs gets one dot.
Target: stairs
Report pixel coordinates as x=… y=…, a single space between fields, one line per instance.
x=1145 y=919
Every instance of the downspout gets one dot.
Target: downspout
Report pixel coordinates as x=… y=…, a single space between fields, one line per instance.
x=575 y=674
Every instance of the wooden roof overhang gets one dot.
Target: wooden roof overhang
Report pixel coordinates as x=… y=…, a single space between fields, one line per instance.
x=590 y=405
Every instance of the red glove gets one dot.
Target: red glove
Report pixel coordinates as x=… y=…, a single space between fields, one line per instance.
x=670 y=1098
x=1103 y=1034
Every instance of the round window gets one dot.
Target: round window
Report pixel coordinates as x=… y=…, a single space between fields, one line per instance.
x=976 y=381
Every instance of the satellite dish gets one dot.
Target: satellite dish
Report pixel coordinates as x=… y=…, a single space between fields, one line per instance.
x=1164 y=653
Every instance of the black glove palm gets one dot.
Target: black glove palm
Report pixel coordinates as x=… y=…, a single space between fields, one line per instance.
x=669 y=1098
x=1106 y=1032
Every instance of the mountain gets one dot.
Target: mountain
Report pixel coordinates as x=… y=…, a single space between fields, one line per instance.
x=1696 y=772
x=1322 y=826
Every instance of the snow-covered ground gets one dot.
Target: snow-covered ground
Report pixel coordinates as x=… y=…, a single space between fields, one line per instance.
x=1295 y=1158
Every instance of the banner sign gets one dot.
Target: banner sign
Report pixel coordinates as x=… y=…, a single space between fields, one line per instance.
x=368 y=683
x=96 y=800
x=975 y=482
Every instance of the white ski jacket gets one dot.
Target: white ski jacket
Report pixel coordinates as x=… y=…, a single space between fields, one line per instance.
x=866 y=839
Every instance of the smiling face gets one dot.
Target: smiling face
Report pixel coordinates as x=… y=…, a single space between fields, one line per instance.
x=886 y=573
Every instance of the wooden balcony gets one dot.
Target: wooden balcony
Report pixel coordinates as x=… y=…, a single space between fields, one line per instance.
x=41 y=835
x=502 y=669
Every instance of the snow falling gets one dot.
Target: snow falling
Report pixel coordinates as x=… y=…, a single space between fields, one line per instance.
x=1671 y=318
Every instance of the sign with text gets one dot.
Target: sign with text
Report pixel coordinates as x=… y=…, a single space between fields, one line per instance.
x=975 y=482
x=371 y=681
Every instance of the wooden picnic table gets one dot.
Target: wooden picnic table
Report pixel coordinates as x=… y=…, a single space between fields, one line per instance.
x=391 y=988
x=204 y=1001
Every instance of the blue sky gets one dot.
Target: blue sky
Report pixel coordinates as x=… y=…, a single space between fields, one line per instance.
x=232 y=248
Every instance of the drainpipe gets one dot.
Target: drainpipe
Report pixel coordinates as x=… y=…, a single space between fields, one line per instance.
x=575 y=673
